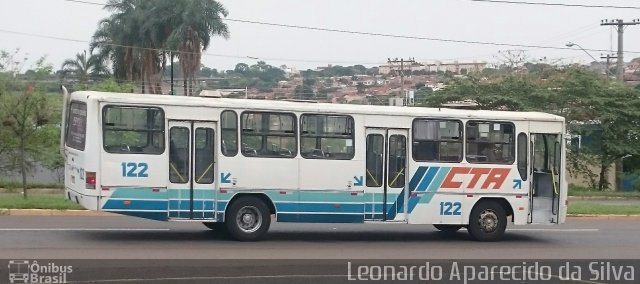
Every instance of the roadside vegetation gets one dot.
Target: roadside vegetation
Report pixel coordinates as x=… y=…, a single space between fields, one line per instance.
x=591 y=192
x=36 y=201
x=593 y=208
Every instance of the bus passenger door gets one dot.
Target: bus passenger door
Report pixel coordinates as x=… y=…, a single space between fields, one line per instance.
x=385 y=174
x=192 y=169
x=544 y=193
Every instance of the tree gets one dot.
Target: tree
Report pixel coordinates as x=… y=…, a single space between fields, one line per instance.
x=138 y=35
x=84 y=68
x=195 y=22
x=241 y=68
x=29 y=126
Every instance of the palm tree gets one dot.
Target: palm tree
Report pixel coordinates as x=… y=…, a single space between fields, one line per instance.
x=137 y=34
x=197 y=21
x=122 y=39
x=84 y=68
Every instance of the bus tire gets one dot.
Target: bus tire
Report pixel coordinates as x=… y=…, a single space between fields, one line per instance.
x=448 y=228
x=488 y=221
x=248 y=219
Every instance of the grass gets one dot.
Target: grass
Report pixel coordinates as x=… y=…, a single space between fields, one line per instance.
x=602 y=209
x=18 y=185
x=584 y=191
x=36 y=201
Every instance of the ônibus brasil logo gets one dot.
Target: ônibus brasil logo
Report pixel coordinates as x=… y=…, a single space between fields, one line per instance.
x=25 y=271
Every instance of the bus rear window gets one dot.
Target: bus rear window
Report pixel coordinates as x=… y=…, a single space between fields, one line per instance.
x=133 y=130
x=76 y=131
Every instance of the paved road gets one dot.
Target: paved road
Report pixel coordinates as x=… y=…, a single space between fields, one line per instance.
x=323 y=249
x=131 y=238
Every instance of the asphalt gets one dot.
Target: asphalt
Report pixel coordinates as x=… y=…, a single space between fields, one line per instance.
x=119 y=249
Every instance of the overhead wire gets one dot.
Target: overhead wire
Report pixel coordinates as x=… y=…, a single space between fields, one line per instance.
x=487 y=1
x=393 y=35
x=557 y=4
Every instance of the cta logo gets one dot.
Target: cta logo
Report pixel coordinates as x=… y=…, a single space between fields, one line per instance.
x=486 y=178
x=25 y=271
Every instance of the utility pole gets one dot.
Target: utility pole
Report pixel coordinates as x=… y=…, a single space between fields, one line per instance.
x=171 y=56
x=402 y=61
x=620 y=26
x=608 y=57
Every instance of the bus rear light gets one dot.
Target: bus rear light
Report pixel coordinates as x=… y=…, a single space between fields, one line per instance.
x=518 y=196
x=414 y=195
x=223 y=191
x=91 y=180
x=155 y=189
x=469 y=195
x=127 y=202
x=105 y=188
x=354 y=194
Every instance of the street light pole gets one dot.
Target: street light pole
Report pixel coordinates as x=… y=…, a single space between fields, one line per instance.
x=571 y=44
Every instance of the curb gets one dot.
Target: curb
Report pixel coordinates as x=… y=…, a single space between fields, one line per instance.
x=51 y=212
x=578 y=197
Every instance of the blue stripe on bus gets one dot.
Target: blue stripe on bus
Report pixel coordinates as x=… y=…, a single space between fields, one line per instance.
x=136 y=205
x=196 y=215
x=186 y=205
x=420 y=187
x=319 y=207
x=159 y=216
x=320 y=218
x=413 y=184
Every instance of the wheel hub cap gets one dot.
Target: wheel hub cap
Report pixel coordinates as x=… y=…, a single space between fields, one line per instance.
x=488 y=221
x=249 y=219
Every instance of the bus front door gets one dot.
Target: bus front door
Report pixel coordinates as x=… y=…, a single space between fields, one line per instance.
x=385 y=174
x=192 y=168
x=544 y=193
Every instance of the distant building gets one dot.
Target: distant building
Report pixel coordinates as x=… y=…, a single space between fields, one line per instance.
x=457 y=67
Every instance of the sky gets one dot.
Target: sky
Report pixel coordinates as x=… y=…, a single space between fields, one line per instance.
x=444 y=19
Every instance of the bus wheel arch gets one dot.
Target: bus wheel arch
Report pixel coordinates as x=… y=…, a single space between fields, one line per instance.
x=488 y=219
x=248 y=216
x=261 y=196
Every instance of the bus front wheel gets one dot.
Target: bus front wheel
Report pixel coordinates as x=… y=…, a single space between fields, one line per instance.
x=248 y=219
x=448 y=228
x=488 y=221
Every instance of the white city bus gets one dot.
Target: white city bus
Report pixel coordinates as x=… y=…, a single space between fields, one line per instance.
x=233 y=164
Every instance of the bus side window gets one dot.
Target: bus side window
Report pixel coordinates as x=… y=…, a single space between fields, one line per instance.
x=490 y=142
x=437 y=140
x=523 y=155
x=179 y=155
x=229 y=127
x=133 y=130
x=268 y=134
x=328 y=137
x=375 y=160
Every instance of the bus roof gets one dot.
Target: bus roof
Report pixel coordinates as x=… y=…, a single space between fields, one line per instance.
x=275 y=105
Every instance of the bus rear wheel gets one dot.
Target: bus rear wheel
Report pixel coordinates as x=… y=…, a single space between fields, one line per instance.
x=448 y=228
x=488 y=221
x=248 y=219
